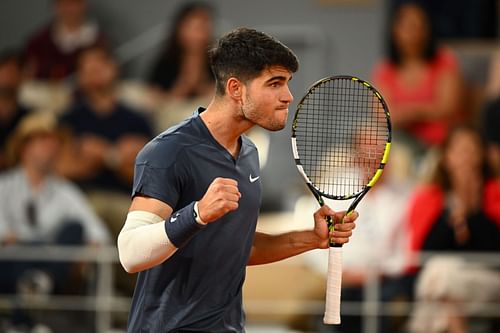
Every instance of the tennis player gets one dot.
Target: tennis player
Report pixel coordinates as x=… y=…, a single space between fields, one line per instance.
x=191 y=228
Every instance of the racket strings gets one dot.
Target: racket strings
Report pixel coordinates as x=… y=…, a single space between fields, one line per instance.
x=341 y=131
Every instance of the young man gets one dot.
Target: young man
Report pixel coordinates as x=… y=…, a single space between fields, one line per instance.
x=190 y=231
x=38 y=207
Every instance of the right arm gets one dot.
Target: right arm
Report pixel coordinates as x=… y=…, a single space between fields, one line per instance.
x=143 y=241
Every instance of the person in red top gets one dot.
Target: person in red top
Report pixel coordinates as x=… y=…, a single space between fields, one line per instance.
x=52 y=52
x=420 y=80
x=459 y=211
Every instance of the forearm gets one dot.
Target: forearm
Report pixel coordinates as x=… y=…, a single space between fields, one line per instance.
x=143 y=243
x=270 y=248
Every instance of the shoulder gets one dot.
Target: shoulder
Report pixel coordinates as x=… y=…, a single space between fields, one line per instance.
x=427 y=192
x=247 y=144
x=9 y=179
x=168 y=147
x=129 y=111
x=446 y=59
x=426 y=203
x=75 y=109
x=491 y=199
x=383 y=70
x=425 y=207
x=134 y=116
x=40 y=36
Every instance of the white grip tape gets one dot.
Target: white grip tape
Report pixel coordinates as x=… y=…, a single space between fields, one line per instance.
x=333 y=286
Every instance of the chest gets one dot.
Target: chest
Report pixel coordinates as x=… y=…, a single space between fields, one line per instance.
x=208 y=164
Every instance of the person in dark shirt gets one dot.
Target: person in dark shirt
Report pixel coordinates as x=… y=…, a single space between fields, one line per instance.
x=53 y=51
x=105 y=136
x=11 y=111
x=191 y=226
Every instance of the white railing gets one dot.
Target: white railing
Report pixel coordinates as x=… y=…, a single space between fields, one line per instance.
x=104 y=303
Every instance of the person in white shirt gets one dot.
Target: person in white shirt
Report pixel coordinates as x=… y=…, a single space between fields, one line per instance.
x=37 y=207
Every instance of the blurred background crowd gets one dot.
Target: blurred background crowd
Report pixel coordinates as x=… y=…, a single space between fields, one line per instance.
x=84 y=84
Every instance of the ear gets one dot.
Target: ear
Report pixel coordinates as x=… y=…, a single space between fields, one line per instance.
x=234 y=88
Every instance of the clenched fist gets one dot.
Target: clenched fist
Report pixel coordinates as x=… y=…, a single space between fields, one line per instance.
x=222 y=197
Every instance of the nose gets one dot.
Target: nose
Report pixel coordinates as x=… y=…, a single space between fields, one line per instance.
x=287 y=96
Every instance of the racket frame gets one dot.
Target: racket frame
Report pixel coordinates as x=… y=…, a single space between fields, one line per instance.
x=318 y=194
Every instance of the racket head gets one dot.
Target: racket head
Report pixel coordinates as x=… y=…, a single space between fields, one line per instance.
x=341 y=137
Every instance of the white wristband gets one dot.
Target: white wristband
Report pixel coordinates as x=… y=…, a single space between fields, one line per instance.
x=197 y=214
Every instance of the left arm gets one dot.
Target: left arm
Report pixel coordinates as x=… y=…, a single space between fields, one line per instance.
x=268 y=248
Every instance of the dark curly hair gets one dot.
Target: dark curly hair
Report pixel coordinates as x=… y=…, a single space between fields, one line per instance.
x=244 y=53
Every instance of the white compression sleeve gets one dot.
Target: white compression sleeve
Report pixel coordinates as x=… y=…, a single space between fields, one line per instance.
x=143 y=242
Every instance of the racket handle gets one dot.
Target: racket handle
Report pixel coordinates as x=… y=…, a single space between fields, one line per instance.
x=333 y=286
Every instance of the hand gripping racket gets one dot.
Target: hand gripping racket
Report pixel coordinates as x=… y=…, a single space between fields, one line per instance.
x=341 y=137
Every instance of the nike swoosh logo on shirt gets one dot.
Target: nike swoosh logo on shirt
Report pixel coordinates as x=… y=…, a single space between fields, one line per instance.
x=253 y=179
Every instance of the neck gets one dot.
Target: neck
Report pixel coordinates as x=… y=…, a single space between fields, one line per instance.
x=225 y=124
x=412 y=60
x=102 y=101
x=35 y=177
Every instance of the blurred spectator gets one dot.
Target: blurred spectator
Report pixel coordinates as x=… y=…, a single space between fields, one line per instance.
x=490 y=120
x=420 y=80
x=459 y=211
x=37 y=207
x=11 y=112
x=182 y=69
x=181 y=78
x=461 y=204
x=462 y=19
x=491 y=132
x=52 y=52
x=105 y=138
x=493 y=84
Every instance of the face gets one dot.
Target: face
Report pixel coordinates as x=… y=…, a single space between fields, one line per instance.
x=96 y=71
x=410 y=30
x=195 y=32
x=10 y=79
x=40 y=152
x=266 y=99
x=464 y=153
x=70 y=11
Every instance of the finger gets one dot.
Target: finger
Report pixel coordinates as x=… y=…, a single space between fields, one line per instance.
x=235 y=197
x=343 y=217
x=347 y=226
x=325 y=212
x=230 y=206
x=226 y=181
x=351 y=217
x=340 y=240
x=229 y=188
x=232 y=190
x=340 y=234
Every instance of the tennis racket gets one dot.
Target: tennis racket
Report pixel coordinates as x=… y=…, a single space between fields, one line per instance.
x=341 y=138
